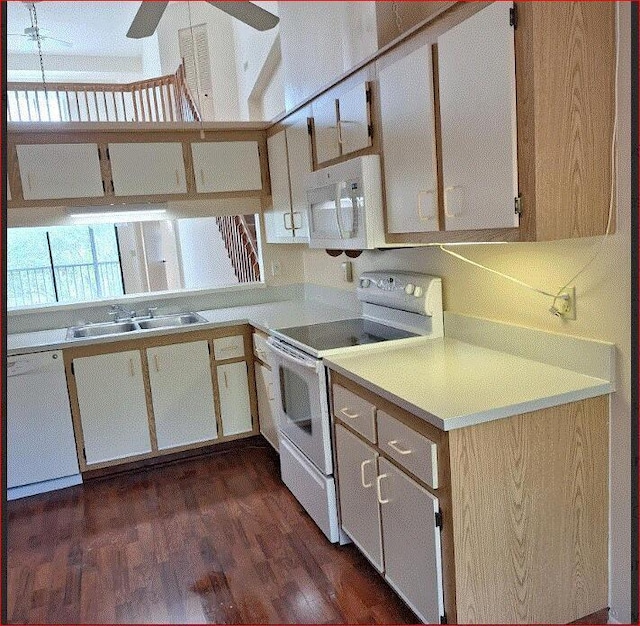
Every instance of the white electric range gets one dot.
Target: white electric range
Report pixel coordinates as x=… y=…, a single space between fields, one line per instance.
x=397 y=307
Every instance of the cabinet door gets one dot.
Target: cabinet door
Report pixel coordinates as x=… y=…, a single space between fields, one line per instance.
x=278 y=220
x=60 y=171
x=113 y=406
x=409 y=147
x=359 y=511
x=235 y=406
x=182 y=394
x=477 y=104
x=147 y=169
x=299 y=156
x=325 y=123
x=412 y=557
x=226 y=166
x=353 y=127
x=266 y=405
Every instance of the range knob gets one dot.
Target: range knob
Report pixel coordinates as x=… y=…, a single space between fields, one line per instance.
x=364 y=283
x=418 y=292
x=409 y=289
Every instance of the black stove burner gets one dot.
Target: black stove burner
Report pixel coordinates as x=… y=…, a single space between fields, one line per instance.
x=343 y=333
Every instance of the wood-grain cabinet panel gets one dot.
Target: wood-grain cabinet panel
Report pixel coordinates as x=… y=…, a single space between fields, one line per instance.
x=524 y=510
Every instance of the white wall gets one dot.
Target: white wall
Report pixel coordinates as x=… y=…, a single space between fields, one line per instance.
x=221 y=51
x=251 y=50
x=151 y=63
x=322 y=40
x=205 y=262
x=603 y=295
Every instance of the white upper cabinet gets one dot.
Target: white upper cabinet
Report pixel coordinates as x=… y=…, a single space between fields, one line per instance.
x=299 y=156
x=476 y=66
x=353 y=124
x=325 y=125
x=147 y=169
x=409 y=146
x=224 y=166
x=53 y=171
x=278 y=219
x=182 y=394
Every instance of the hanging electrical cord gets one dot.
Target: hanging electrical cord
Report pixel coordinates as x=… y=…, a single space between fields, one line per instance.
x=560 y=295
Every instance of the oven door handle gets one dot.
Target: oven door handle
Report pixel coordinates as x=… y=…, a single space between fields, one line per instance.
x=291 y=358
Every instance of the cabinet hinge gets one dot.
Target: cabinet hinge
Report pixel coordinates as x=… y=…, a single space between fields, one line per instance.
x=84 y=453
x=517 y=205
x=370 y=130
x=73 y=369
x=104 y=187
x=439 y=519
x=108 y=155
x=513 y=16
x=443 y=619
x=309 y=127
x=209 y=348
x=113 y=187
x=99 y=154
x=367 y=95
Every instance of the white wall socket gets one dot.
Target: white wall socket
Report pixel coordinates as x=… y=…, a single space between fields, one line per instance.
x=567 y=307
x=276 y=268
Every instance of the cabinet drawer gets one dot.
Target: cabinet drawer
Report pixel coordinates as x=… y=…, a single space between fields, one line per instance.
x=413 y=451
x=228 y=347
x=355 y=412
x=260 y=348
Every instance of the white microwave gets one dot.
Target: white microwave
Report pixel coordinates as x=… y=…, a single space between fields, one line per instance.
x=344 y=204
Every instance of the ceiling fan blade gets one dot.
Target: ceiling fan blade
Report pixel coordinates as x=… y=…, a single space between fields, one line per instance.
x=62 y=42
x=146 y=20
x=249 y=13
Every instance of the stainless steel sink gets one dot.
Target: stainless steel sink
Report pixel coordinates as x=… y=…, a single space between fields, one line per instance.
x=98 y=330
x=167 y=321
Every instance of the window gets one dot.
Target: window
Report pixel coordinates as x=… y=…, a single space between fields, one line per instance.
x=62 y=264
x=84 y=263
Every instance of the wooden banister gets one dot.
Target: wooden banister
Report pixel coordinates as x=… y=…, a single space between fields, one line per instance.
x=241 y=247
x=162 y=99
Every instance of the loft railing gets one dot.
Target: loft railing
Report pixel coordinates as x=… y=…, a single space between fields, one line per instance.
x=241 y=247
x=162 y=99
x=68 y=283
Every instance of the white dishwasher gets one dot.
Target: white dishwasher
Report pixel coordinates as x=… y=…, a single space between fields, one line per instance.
x=41 y=447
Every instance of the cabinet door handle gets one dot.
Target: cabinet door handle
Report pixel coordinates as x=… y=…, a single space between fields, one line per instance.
x=293 y=221
x=421 y=215
x=29 y=180
x=177 y=178
x=270 y=393
x=156 y=360
x=226 y=381
x=394 y=446
x=284 y=217
x=378 y=493
x=362 y=480
x=202 y=176
x=351 y=416
x=132 y=371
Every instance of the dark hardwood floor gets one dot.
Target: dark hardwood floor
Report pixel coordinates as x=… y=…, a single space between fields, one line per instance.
x=215 y=539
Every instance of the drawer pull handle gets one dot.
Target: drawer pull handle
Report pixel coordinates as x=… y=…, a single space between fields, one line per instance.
x=362 y=466
x=157 y=362
x=226 y=380
x=132 y=372
x=270 y=393
x=394 y=446
x=378 y=481
x=346 y=413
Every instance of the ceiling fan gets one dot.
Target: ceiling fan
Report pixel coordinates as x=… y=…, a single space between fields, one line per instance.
x=30 y=35
x=148 y=16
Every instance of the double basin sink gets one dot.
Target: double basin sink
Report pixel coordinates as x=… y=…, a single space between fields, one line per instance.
x=127 y=326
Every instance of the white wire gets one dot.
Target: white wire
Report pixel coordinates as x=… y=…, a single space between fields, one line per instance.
x=598 y=247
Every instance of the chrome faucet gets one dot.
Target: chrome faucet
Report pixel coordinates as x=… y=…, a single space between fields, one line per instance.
x=120 y=313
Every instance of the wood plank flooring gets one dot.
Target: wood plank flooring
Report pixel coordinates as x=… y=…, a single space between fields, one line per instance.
x=217 y=539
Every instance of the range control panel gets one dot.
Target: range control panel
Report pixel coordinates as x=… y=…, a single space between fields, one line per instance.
x=406 y=291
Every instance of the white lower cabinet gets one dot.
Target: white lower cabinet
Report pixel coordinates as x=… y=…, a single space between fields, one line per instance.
x=235 y=404
x=392 y=519
x=266 y=405
x=113 y=406
x=182 y=394
x=359 y=510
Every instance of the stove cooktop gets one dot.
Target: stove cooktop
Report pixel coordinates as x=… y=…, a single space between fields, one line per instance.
x=343 y=334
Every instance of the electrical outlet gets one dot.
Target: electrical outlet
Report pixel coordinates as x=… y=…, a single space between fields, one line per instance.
x=567 y=306
x=276 y=268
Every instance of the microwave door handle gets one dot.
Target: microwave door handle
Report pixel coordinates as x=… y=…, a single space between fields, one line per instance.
x=339 y=212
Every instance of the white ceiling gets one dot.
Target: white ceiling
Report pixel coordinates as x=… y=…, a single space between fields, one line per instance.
x=94 y=28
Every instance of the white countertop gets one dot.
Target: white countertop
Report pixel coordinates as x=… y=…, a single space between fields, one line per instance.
x=271 y=316
x=453 y=384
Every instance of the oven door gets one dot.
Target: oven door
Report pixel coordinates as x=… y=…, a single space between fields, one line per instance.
x=300 y=390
